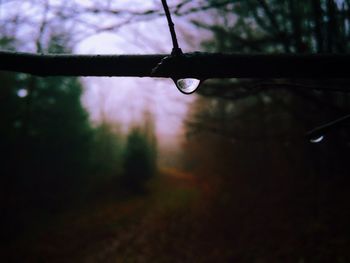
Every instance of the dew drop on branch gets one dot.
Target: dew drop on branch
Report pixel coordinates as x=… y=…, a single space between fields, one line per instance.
x=188 y=85
x=317 y=139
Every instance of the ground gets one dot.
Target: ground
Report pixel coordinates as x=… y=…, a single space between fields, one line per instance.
x=183 y=218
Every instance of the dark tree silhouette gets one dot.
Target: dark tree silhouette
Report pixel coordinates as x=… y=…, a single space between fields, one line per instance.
x=139 y=161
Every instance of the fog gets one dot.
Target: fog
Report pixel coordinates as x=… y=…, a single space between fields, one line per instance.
x=124 y=100
x=131 y=170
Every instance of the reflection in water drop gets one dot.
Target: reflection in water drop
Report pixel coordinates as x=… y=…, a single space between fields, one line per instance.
x=187 y=86
x=317 y=139
x=22 y=93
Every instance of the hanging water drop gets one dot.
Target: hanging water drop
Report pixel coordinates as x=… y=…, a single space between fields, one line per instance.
x=187 y=86
x=317 y=139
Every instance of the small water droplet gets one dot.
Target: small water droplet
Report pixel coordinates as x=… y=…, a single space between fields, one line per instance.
x=187 y=86
x=22 y=93
x=317 y=139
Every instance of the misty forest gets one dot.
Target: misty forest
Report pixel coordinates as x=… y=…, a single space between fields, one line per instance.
x=107 y=169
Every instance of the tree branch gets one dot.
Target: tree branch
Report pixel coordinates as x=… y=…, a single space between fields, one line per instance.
x=176 y=48
x=194 y=65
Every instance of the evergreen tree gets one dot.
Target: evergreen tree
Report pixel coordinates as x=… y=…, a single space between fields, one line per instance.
x=139 y=161
x=45 y=142
x=316 y=26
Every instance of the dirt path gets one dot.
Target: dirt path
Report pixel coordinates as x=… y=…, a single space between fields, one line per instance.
x=162 y=214
x=133 y=230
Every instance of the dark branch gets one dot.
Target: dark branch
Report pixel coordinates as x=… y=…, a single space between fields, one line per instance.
x=176 y=49
x=328 y=127
x=195 y=65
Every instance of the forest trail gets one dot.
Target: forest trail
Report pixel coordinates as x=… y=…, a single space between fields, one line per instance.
x=130 y=230
x=180 y=221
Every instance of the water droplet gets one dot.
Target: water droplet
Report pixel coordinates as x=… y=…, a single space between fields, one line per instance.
x=317 y=139
x=187 y=86
x=22 y=93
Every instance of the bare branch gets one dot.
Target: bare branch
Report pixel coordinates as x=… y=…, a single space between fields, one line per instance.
x=194 y=65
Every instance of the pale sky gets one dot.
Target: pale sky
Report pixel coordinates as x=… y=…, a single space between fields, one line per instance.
x=119 y=100
x=124 y=100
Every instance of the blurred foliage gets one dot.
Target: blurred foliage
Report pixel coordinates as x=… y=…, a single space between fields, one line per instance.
x=53 y=159
x=139 y=161
x=275 y=197
x=45 y=140
x=317 y=26
x=107 y=151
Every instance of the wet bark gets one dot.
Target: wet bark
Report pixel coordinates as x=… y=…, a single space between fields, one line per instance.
x=194 y=65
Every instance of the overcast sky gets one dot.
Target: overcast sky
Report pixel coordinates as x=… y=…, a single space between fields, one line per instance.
x=124 y=100
x=118 y=100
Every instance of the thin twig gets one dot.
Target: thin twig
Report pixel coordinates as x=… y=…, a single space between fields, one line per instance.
x=326 y=128
x=176 y=48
